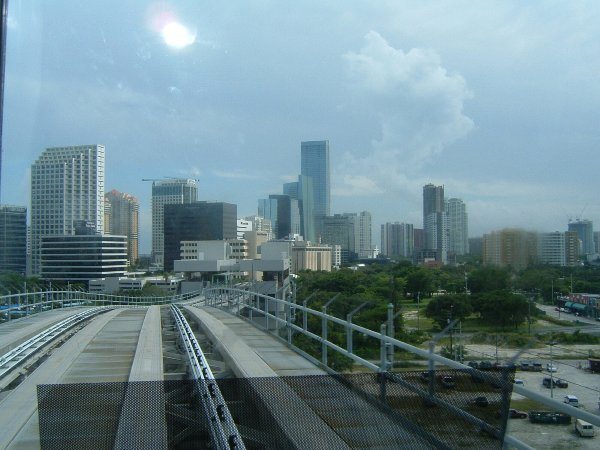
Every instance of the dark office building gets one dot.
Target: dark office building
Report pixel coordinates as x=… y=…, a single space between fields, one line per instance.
x=13 y=239
x=198 y=221
x=342 y=230
x=83 y=257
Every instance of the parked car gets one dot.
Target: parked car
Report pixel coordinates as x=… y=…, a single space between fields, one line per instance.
x=584 y=429
x=548 y=382
x=447 y=381
x=481 y=401
x=561 y=383
x=571 y=400
x=518 y=381
x=516 y=414
x=551 y=368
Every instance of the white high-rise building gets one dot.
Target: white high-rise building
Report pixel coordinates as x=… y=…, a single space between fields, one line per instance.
x=67 y=185
x=458 y=227
x=365 y=235
x=168 y=192
x=397 y=240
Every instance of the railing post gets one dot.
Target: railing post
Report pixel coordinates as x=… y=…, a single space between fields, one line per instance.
x=383 y=363
x=436 y=338
x=324 y=323
x=349 y=334
x=288 y=321
x=267 y=313
x=304 y=313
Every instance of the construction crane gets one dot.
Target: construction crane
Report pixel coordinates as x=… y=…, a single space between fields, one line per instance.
x=154 y=180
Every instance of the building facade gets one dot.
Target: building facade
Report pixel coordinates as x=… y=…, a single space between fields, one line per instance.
x=67 y=185
x=302 y=190
x=397 y=240
x=122 y=218
x=198 y=221
x=458 y=227
x=435 y=222
x=308 y=256
x=283 y=213
x=510 y=247
x=341 y=229
x=168 y=192
x=83 y=257
x=314 y=163
x=13 y=239
x=365 y=235
x=585 y=233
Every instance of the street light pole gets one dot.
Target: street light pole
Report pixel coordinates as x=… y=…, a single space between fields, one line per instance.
x=418 y=309
x=551 y=344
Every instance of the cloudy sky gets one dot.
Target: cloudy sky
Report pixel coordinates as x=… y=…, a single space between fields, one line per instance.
x=498 y=101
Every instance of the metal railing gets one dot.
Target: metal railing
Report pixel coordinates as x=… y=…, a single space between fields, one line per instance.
x=222 y=428
x=16 y=306
x=276 y=315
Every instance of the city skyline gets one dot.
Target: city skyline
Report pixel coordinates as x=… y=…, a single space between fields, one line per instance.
x=403 y=93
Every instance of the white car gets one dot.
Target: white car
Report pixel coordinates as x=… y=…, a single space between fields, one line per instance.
x=551 y=368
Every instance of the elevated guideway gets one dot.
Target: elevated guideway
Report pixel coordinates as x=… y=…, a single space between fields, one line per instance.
x=105 y=351
x=309 y=407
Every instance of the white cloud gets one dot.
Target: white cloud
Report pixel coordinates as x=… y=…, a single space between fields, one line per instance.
x=357 y=186
x=237 y=174
x=419 y=105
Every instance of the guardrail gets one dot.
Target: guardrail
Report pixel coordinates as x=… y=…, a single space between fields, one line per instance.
x=16 y=306
x=277 y=320
x=222 y=428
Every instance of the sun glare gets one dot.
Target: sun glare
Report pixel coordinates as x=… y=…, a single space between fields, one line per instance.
x=176 y=35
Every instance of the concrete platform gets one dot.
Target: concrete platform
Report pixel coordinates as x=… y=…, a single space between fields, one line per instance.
x=18 y=418
x=250 y=352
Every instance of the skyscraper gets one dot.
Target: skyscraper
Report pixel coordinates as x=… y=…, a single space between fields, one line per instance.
x=302 y=190
x=397 y=240
x=283 y=212
x=585 y=232
x=67 y=185
x=168 y=192
x=197 y=221
x=365 y=235
x=435 y=221
x=315 y=164
x=342 y=230
x=458 y=227
x=123 y=219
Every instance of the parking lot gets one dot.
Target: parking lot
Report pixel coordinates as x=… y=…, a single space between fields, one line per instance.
x=582 y=383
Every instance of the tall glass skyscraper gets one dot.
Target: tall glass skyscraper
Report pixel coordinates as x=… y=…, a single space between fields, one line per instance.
x=315 y=164
x=67 y=185
x=435 y=221
x=168 y=192
x=121 y=217
x=302 y=190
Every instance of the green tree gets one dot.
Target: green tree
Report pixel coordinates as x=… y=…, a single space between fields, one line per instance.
x=487 y=279
x=444 y=308
x=420 y=280
x=502 y=308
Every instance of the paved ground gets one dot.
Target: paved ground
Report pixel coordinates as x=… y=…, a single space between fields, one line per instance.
x=583 y=384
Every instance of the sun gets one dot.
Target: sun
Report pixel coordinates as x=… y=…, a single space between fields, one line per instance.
x=177 y=35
